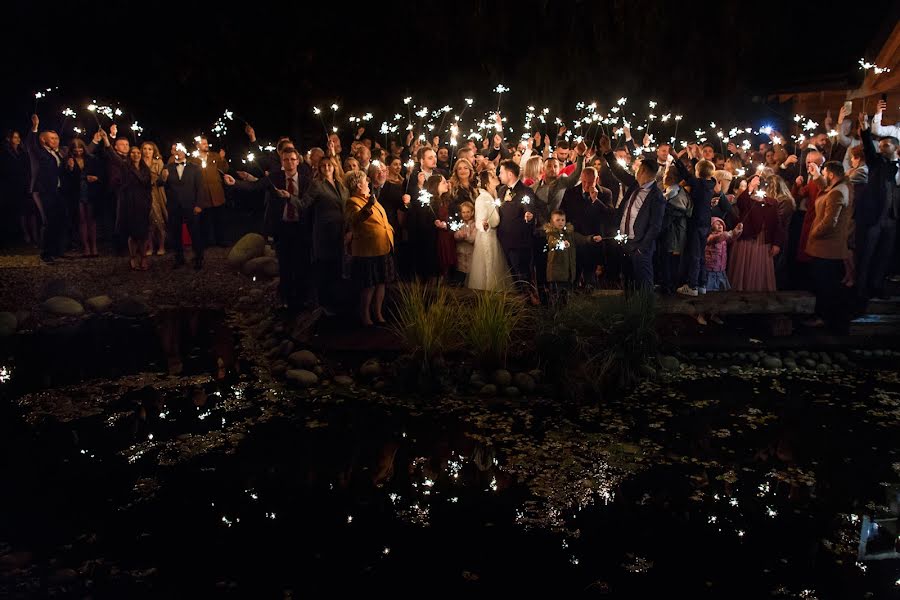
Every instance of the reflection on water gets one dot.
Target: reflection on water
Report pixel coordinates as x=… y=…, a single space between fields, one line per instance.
x=210 y=484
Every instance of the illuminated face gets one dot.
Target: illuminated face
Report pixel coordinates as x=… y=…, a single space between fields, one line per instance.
x=289 y=161
x=52 y=140
x=507 y=177
x=15 y=139
x=78 y=151
x=364 y=185
x=551 y=168
x=887 y=148
x=364 y=154
x=623 y=155
x=587 y=180
x=558 y=221
x=122 y=146
x=315 y=156
x=134 y=154
x=147 y=152
x=326 y=168
x=463 y=172
x=396 y=167
x=707 y=152
x=429 y=160
x=443 y=155
x=203 y=145
x=662 y=154
x=180 y=156
x=333 y=138
x=351 y=165
x=467 y=213
x=770 y=157
x=561 y=154
x=381 y=176
x=717 y=226
x=821 y=141
x=443 y=186
x=854 y=162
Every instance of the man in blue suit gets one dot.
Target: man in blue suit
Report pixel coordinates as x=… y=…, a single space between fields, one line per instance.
x=44 y=152
x=185 y=202
x=641 y=218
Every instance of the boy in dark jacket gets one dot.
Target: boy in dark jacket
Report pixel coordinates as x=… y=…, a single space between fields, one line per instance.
x=561 y=257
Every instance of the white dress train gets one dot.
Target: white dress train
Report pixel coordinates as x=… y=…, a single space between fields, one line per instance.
x=489 y=269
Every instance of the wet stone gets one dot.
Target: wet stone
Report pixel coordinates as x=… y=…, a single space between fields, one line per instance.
x=524 y=382
x=808 y=363
x=8 y=323
x=669 y=363
x=303 y=359
x=343 y=380
x=370 y=369
x=302 y=377
x=60 y=305
x=502 y=377
x=770 y=362
x=512 y=392
x=98 y=304
x=488 y=390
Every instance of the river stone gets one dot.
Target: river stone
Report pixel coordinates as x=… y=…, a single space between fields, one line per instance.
x=302 y=377
x=256 y=293
x=343 y=380
x=285 y=348
x=488 y=390
x=826 y=359
x=371 y=368
x=98 y=304
x=60 y=305
x=734 y=370
x=867 y=354
x=790 y=363
x=803 y=353
x=878 y=353
x=647 y=371
x=841 y=358
x=476 y=378
x=262 y=266
x=512 y=392
x=502 y=377
x=524 y=382
x=669 y=363
x=823 y=368
x=770 y=362
x=130 y=306
x=303 y=359
x=808 y=363
x=250 y=246
x=8 y=323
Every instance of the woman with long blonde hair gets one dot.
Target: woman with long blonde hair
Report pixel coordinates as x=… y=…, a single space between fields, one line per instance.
x=158 y=213
x=462 y=184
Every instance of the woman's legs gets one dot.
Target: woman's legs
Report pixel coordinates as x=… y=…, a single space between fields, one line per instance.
x=365 y=305
x=379 y=300
x=83 y=228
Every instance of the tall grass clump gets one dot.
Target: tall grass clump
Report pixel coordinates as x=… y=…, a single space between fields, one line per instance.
x=488 y=322
x=426 y=318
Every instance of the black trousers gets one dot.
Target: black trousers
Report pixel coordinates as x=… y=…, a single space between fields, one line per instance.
x=215 y=216
x=695 y=252
x=198 y=227
x=292 y=250
x=875 y=249
x=670 y=271
x=519 y=261
x=638 y=269
x=832 y=297
x=329 y=275
x=53 y=227
x=539 y=260
x=586 y=260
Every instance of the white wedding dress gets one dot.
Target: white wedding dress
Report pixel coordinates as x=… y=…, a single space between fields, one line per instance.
x=489 y=269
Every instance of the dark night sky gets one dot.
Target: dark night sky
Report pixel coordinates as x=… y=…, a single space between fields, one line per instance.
x=176 y=69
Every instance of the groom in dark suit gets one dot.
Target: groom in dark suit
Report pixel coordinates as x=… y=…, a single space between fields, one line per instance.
x=516 y=228
x=183 y=182
x=641 y=218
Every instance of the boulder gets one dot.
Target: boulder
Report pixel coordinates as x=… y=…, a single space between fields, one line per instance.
x=285 y=348
x=59 y=287
x=63 y=306
x=808 y=363
x=262 y=266
x=524 y=382
x=370 y=369
x=130 y=306
x=502 y=377
x=669 y=363
x=488 y=390
x=250 y=246
x=302 y=377
x=279 y=368
x=826 y=359
x=8 y=323
x=303 y=359
x=770 y=362
x=512 y=392
x=343 y=380
x=98 y=304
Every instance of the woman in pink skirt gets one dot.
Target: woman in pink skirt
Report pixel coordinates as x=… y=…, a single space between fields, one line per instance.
x=750 y=265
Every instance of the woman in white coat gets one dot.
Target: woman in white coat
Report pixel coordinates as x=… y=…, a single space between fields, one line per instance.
x=489 y=269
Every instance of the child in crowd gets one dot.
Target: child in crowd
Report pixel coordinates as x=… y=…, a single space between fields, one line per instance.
x=561 y=241
x=465 y=242
x=716 y=261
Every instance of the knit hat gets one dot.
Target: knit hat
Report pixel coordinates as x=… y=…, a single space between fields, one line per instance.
x=713 y=222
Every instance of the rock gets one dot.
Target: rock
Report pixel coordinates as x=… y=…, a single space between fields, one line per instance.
x=256 y=293
x=243 y=300
x=370 y=369
x=279 y=368
x=524 y=382
x=60 y=305
x=841 y=358
x=285 y=348
x=476 y=378
x=248 y=247
x=878 y=353
x=8 y=323
x=262 y=266
x=269 y=251
x=867 y=354
x=770 y=362
x=130 y=306
x=826 y=359
x=302 y=377
x=488 y=390
x=343 y=380
x=98 y=304
x=734 y=370
x=512 y=392
x=59 y=287
x=669 y=363
x=537 y=375
x=303 y=359
x=803 y=354
x=318 y=370
x=502 y=377
x=790 y=362
x=380 y=385
x=791 y=354
x=808 y=363
x=823 y=368
x=647 y=371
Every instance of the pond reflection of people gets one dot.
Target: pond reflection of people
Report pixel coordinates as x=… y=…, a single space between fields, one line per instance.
x=175 y=325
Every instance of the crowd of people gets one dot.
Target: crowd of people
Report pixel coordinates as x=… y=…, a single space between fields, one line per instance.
x=545 y=216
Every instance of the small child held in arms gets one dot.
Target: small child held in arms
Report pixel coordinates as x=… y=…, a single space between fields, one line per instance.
x=561 y=241
x=716 y=261
x=465 y=242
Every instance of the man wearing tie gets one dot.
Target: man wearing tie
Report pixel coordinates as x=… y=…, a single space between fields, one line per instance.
x=642 y=215
x=516 y=228
x=282 y=221
x=44 y=151
x=183 y=183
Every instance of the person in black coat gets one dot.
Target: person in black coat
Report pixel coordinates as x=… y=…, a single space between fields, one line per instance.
x=134 y=210
x=702 y=186
x=642 y=211
x=183 y=184
x=877 y=213
x=590 y=206
x=44 y=151
x=15 y=192
x=83 y=190
x=516 y=228
x=323 y=204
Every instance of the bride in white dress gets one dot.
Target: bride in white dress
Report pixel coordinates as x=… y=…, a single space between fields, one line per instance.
x=488 y=270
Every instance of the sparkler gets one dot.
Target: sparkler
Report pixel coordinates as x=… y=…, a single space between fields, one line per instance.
x=620 y=237
x=500 y=89
x=334 y=109
x=318 y=112
x=865 y=66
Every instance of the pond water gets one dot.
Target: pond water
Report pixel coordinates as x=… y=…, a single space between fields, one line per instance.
x=147 y=459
